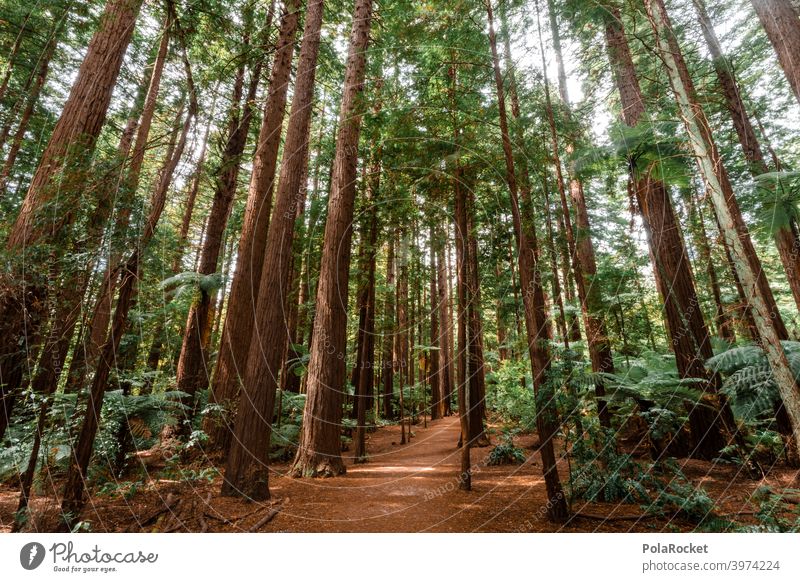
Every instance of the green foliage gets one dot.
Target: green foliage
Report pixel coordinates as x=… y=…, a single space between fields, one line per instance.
x=286 y=435
x=778 y=197
x=601 y=473
x=505 y=452
x=749 y=382
x=774 y=514
x=191 y=282
x=509 y=393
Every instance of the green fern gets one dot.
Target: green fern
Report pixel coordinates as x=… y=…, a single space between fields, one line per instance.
x=749 y=383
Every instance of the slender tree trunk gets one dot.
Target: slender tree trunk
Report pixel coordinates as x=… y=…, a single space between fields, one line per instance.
x=246 y=470
x=767 y=318
x=238 y=327
x=477 y=377
x=366 y=380
x=437 y=403
x=73 y=499
x=446 y=375
x=193 y=362
x=387 y=368
x=462 y=298
x=319 y=450
x=533 y=298
x=54 y=191
x=782 y=25
x=401 y=339
x=589 y=292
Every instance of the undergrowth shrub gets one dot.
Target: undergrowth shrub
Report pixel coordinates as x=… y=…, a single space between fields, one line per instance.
x=506 y=452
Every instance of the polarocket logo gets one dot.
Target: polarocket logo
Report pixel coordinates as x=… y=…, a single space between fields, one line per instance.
x=31 y=555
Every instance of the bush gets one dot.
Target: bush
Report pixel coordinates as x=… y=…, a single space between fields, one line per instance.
x=506 y=453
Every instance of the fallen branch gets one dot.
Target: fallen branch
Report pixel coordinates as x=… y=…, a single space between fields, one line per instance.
x=267 y=518
x=170 y=502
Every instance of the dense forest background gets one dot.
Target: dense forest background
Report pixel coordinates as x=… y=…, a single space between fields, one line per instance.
x=250 y=239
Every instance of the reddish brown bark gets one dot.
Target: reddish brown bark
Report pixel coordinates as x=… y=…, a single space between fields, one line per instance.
x=74 y=498
x=238 y=327
x=537 y=326
x=387 y=366
x=619 y=54
x=129 y=183
x=782 y=25
x=56 y=185
x=366 y=380
x=319 y=450
x=246 y=470
x=436 y=405
x=193 y=364
x=477 y=374
x=691 y=340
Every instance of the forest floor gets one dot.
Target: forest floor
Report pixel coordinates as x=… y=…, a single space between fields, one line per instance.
x=402 y=488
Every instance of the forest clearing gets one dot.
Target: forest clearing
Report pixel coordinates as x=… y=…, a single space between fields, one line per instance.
x=400 y=266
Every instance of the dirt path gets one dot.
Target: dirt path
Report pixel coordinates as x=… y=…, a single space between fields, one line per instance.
x=402 y=488
x=413 y=487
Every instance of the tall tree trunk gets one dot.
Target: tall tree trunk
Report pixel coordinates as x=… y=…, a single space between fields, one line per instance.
x=55 y=191
x=437 y=404
x=691 y=340
x=238 y=327
x=462 y=301
x=192 y=374
x=619 y=55
x=782 y=25
x=589 y=291
x=446 y=375
x=129 y=183
x=402 y=337
x=767 y=318
x=387 y=368
x=246 y=470
x=319 y=449
x=533 y=297
x=73 y=499
x=477 y=377
x=365 y=386
x=786 y=237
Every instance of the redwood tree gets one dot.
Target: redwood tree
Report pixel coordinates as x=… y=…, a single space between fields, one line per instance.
x=246 y=469
x=318 y=453
x=238 y=326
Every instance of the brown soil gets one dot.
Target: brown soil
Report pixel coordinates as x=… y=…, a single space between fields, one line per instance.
x=408 y=488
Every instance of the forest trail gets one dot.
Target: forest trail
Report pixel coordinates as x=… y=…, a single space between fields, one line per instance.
x=412 y=488
x=402 y=488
